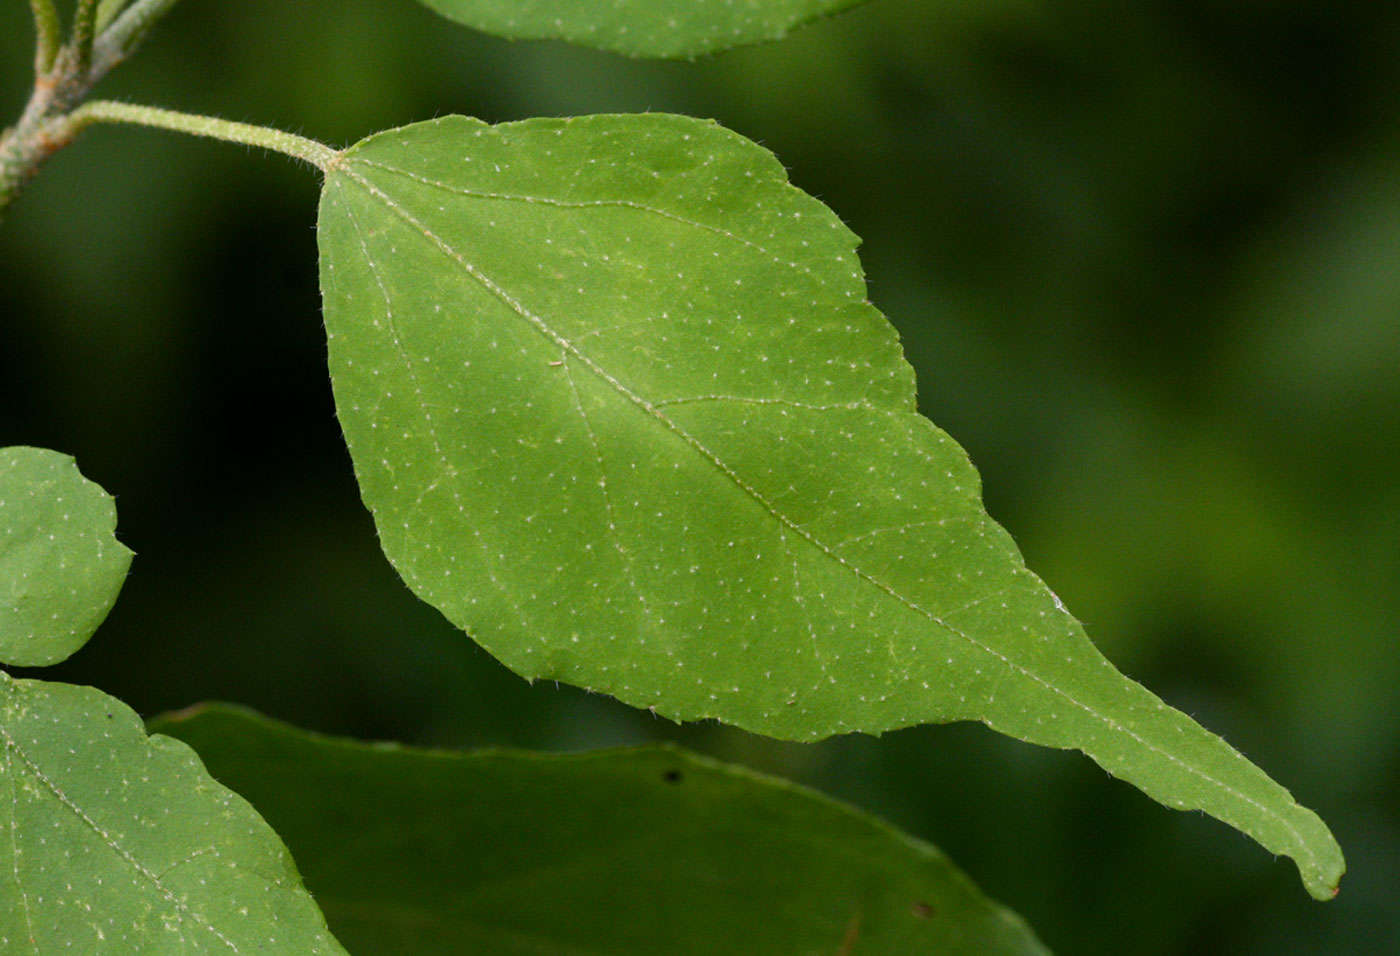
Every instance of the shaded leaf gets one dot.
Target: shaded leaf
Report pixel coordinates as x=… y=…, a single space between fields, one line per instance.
x=655 y=28
x=61 y=565
x=650 y=850
x=621 y=411
x=119 y=843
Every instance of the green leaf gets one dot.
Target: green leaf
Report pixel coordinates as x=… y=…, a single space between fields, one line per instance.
x=60 y=563
x=621 y=410
x=644 y=851
x=654 y=28
x=119 y=843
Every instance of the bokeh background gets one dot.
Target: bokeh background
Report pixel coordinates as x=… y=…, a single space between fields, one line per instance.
x=1145 y=256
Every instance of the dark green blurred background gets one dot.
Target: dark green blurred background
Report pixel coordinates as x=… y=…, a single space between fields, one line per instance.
x=1144 y=255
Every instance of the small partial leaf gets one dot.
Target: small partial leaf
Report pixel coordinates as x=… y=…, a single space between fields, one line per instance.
x=61 y=565
x=112 y=842
x=621 y=410
x=644 y=851
x=653 y=28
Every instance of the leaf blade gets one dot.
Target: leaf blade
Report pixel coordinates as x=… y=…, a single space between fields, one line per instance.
x=119 y=840
x=704 y=853
x=621 y=411
x=61 y=566
x=643 y=28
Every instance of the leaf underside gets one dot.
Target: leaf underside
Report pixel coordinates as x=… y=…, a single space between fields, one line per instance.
x=61 y=565
x=428 y=852
x=119 y=843
x=644 y=28
x=621 y=410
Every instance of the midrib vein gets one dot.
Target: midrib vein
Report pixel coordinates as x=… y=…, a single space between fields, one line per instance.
x=517 y=307
x=108 y=841
x=14 y=842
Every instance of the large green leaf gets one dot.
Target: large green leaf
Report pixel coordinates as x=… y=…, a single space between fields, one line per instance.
x=60 y=563
x=621 y=410
x=643 y=851
x=660 y=28
x=112 y=842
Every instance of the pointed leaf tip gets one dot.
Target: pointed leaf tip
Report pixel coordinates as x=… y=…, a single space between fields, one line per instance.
x=621 y=410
